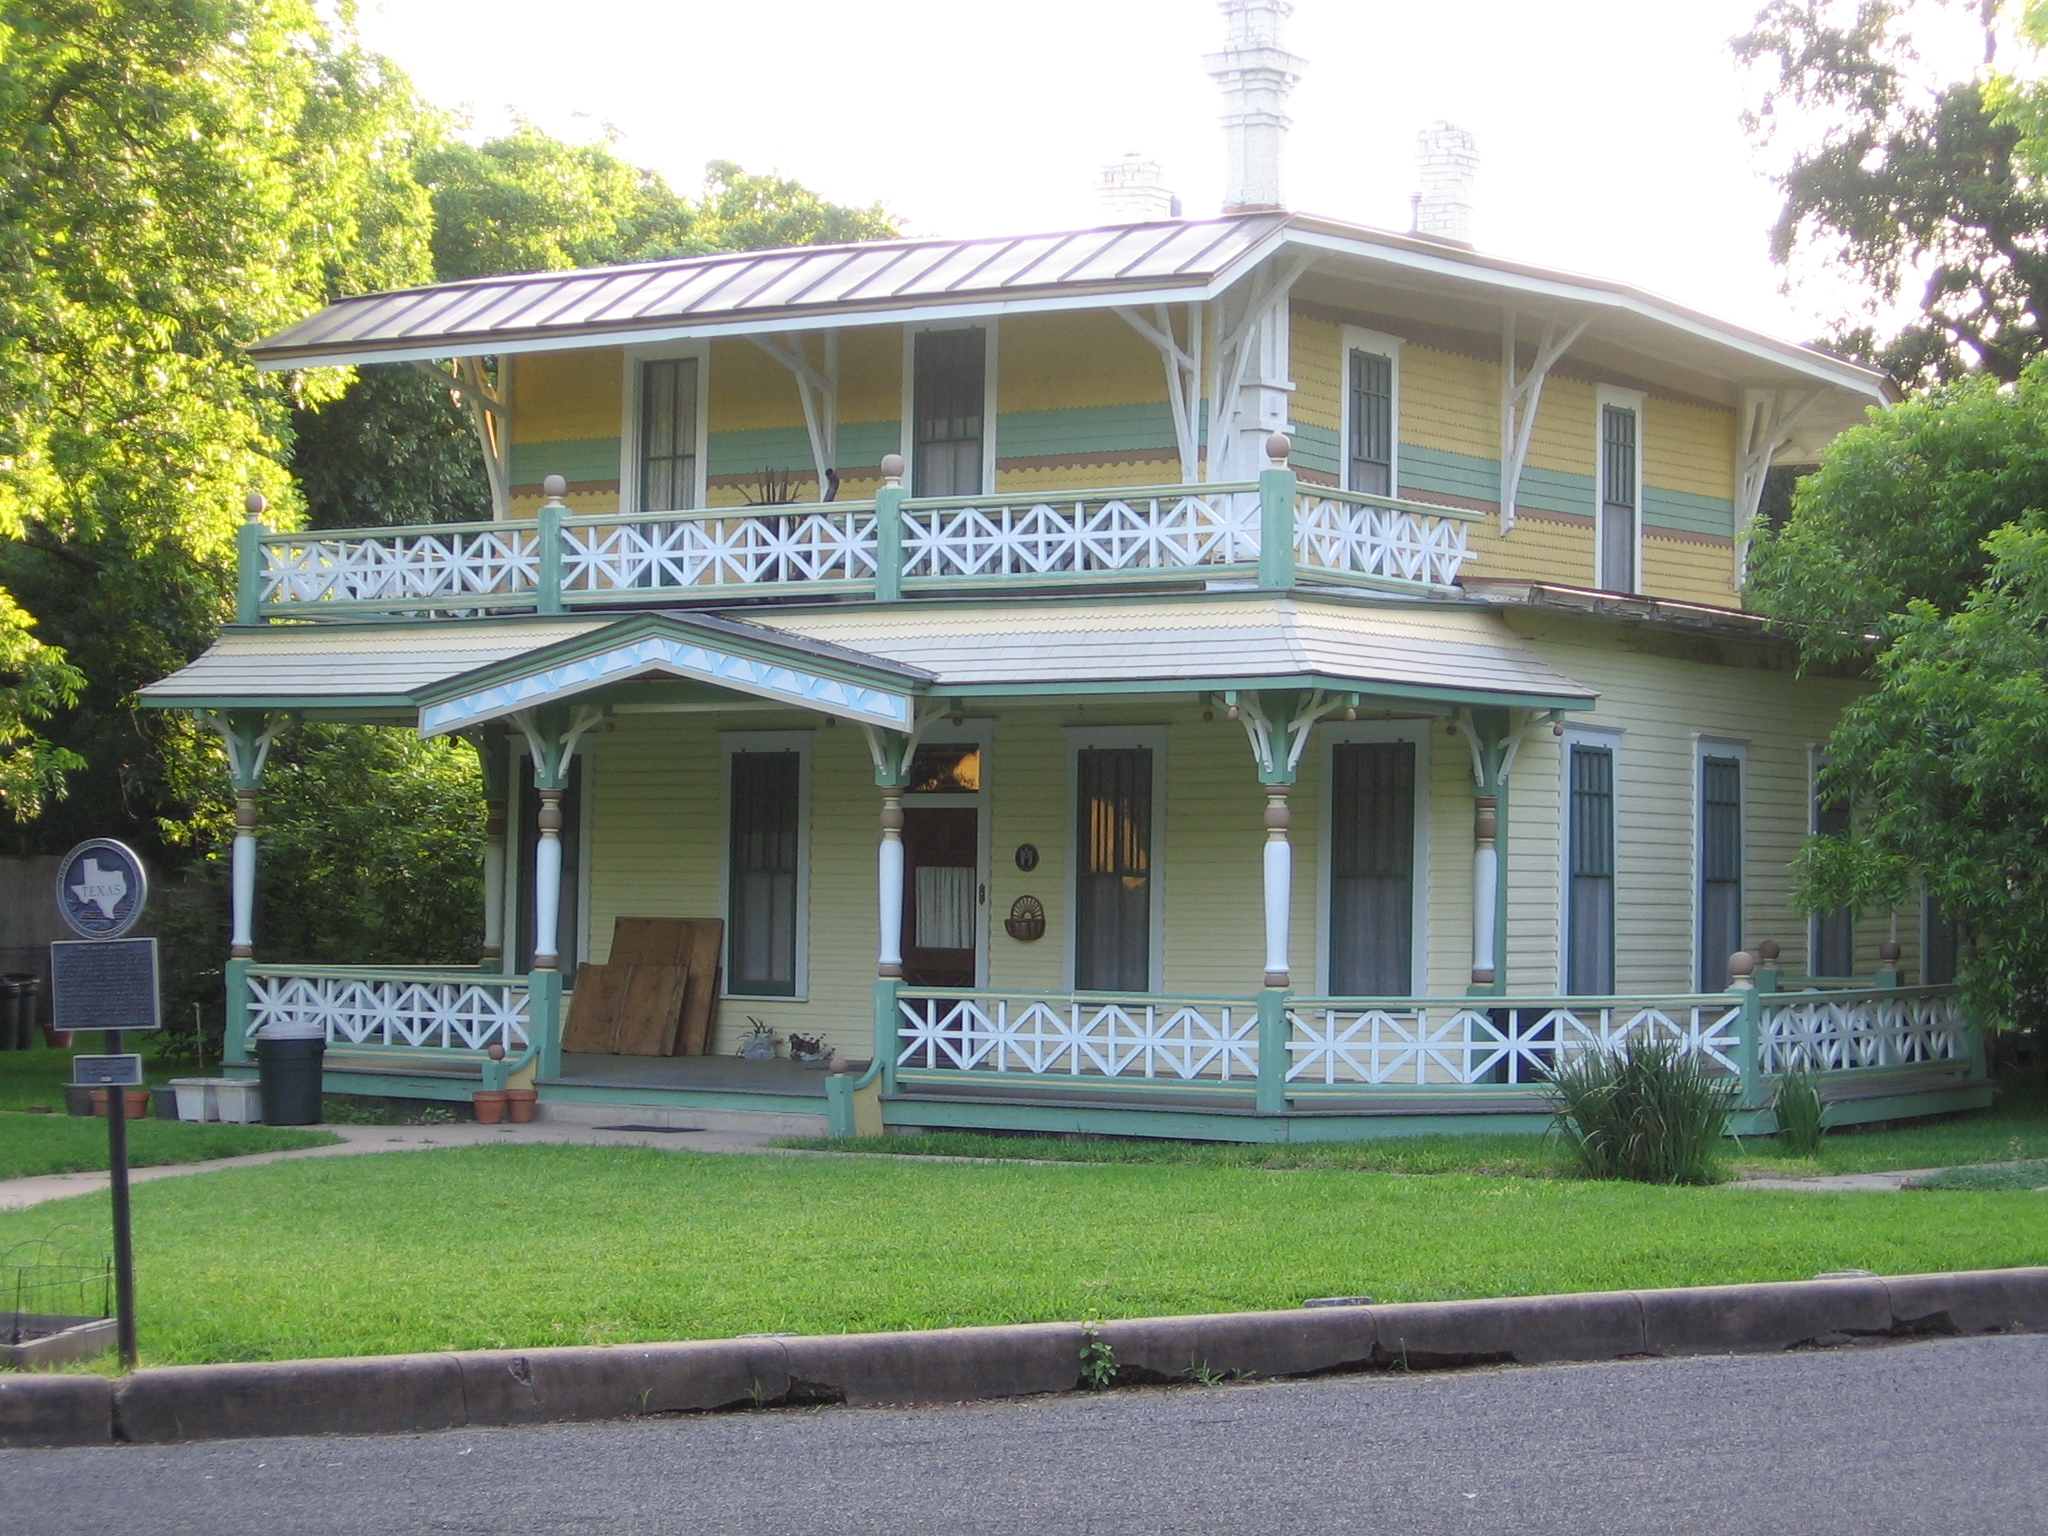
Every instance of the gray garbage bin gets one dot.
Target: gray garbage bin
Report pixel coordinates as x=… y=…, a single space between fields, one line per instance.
x=290 y=1071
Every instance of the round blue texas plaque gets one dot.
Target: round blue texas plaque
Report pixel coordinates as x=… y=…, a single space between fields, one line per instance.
x=102 y=888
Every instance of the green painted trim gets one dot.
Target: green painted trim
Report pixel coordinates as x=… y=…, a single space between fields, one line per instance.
x=573 y=458
x=1687 y=513
x=249 y=573
x=553 y=1092
x=455 y=1090
x=1277 y=491
x=1274 y=1057
x=1145 y=428
x=235 y=1026
x=549 y=598
x=386 y=702
x=1441 y=472
x=1323 y=575
x=1082 y=493
x=402 y=531
x=1192 y=577
x=1084 y=688
x=727 y=596
x=888 y=582
x=1318 y=448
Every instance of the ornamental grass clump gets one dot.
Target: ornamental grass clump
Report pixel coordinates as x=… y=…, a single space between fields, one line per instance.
x=1801 y=1115
x=1648 y=1111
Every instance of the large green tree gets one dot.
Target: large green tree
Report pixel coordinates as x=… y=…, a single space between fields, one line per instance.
x=1904 y=181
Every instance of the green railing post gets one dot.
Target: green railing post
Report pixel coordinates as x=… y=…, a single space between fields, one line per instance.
x=1273 y=1053
x=889 y=531
x=544 y=1021
x=234 y=1043
x=249 y=562
x=552 y=511
x=1278 y=489
x=1749 y=1029
x=886 y=1016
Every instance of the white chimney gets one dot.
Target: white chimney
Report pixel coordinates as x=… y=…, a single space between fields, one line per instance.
x=1447 y=158
x=1256 y=74
x=1134 y=191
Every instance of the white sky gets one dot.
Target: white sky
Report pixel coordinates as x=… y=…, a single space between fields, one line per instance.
x=1607 y=129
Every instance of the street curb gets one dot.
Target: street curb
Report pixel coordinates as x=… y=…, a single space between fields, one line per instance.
x=399 y=1394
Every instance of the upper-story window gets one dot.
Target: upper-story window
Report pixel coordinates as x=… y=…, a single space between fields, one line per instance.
x=949 y=405
x=1619 y=520
x=1371 y=416
x=667 y=425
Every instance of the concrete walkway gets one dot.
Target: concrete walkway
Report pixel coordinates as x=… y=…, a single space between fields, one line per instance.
x=18 y=1194
x=1836 y=1183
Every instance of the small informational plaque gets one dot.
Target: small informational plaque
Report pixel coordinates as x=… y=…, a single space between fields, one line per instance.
x=123 y=1071
x=103 y=984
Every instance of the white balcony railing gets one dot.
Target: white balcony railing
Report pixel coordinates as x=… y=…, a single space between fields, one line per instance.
x=1840 y=1031
x=1169 y=528
x=397 y=1006
x=1074 y=1036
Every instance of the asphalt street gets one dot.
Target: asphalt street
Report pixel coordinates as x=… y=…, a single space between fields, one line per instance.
x=1939 y=1436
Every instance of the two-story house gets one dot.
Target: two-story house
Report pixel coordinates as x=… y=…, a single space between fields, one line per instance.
x=1247 y=677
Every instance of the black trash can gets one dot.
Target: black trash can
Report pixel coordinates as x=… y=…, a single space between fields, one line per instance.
x=290 y=1071
x=31 y=1010
x=10 y=1014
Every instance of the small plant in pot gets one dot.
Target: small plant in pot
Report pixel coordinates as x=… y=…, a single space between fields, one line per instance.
x=810 y=1048
x=758 y=1043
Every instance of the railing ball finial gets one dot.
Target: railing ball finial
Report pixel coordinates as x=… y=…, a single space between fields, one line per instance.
x=892 y=470
x=1889 y=951
x=555 y=487
x=1278 y=447
x=254 y=505
x=1741 y=967
x=495 y=1051
x=1769 y=951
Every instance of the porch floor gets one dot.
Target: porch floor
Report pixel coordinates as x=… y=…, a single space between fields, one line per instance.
x=716 y=1074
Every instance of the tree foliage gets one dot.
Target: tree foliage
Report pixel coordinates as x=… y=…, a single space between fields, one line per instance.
x=1910 y=185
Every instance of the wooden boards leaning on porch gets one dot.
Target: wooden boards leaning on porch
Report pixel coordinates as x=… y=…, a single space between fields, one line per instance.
x=656 y=995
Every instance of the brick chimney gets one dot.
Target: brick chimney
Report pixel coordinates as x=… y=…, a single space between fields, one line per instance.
x=1446 y=159
x=1256 y=73
x=1133 y=190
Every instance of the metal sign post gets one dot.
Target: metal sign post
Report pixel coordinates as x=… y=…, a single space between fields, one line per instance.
x=103 y=981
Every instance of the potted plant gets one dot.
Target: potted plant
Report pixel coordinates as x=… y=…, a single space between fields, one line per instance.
x=810 y=1048
x=758 y=1043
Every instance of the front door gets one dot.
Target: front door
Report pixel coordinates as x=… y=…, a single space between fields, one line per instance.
x=941 y=895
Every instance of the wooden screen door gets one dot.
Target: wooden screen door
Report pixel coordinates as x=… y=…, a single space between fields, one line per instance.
x=941 y=895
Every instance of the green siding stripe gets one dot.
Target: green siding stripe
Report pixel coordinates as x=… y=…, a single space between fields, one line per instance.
x=585 y=459
x=1144 y=428
x=1687 y=513
x=1317 y=448
x=860 y=446
x=1449 y=474
x=1553 y=490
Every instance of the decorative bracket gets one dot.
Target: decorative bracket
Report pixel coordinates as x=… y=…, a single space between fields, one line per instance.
x=1277 y=743
x=818 y=389
x=893 y=750
x=1183 y=377
x=1519 y=398
x=1499 y=755
x=247 y=735
x=1769 y=418
x=553 y=743
x=479 y=397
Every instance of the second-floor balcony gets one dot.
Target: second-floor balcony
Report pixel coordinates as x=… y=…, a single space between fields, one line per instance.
x=1272 y=532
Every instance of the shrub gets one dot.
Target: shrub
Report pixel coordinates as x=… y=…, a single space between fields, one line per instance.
x=1649 y=1112
x=1801 y=1115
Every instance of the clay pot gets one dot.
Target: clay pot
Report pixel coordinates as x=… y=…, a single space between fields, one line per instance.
x=520 y=1104
x=137 y=1101
x=490 y=1106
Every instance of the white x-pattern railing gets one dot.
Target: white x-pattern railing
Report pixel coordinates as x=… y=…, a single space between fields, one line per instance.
x=1840 y=1031
x=1501 y=1041
x=409 y=567
x=1126 y=1037
x=448 y=1011
x=729 y=549
x=1166 y=528
x=1377 y=536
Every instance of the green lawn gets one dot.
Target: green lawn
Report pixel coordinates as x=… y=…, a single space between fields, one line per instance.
x=2016 y=1127
x=534 y=1245
x=2032 y=1174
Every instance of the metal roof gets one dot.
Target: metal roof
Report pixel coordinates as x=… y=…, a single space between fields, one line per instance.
x=755 y=289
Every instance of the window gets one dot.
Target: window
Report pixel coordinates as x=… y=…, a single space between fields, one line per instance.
x=1832 y=941
x=949 y=390
x=1720 y=866
x=1372 y=869
x=1113 y=904
x=1940 y=944
x=666 y=477
x=569 y=922
x=764 y=866
x=1589 y=869
x=1619 y=522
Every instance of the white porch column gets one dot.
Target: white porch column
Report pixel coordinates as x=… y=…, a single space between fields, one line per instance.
x=242 y=941
x=1279 y=870
x=547 y=883
x=1485 y=886
x=889 y=887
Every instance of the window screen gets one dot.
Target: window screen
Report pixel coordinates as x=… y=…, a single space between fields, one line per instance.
x=1372 y=424
x=1589 y=926
x=668 y=434
x=1113 y=886
x=1620 y=499
x=1720 y=866
x=948 y=398
x=1372 y=869
x=761 y=942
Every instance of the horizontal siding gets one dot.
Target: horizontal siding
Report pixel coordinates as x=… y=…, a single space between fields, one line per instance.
x=1689 y=448
x=1689 y=572
x=1439 y=472
x=1318 y=450
x=567 y=396
x=748 y=453
x=575 y=459
x=1450 y=403
x=1064 y=362
x=1687 y=513
x=1140 y=467
x=1315 y=347
x=1088 y=429
x=1540 y=549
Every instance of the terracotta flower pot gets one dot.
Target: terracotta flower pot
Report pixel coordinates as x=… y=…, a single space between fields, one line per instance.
x=490 y=1106
x=520 y=1104
x=137 y=1101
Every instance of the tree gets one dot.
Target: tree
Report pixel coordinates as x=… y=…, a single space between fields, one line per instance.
x=1913 y=188
x=1921 y=547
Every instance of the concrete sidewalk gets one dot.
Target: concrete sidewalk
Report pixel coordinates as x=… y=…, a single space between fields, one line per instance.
x=1837 y=1183
x=18 y=1194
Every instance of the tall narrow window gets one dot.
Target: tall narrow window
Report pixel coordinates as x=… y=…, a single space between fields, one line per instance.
x=1372 y=423
x=668 y=434
x=762 y=902
x=1589 y=852
x=949 y=397
x=1941 y=948
x=1620 y=499
x=1113 y=885
x=1834 y=933
x=1372 y=869
x=1720 y=865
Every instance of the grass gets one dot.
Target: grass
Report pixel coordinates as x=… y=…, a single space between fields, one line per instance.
x=521 y=1246
x=2032 y=1174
